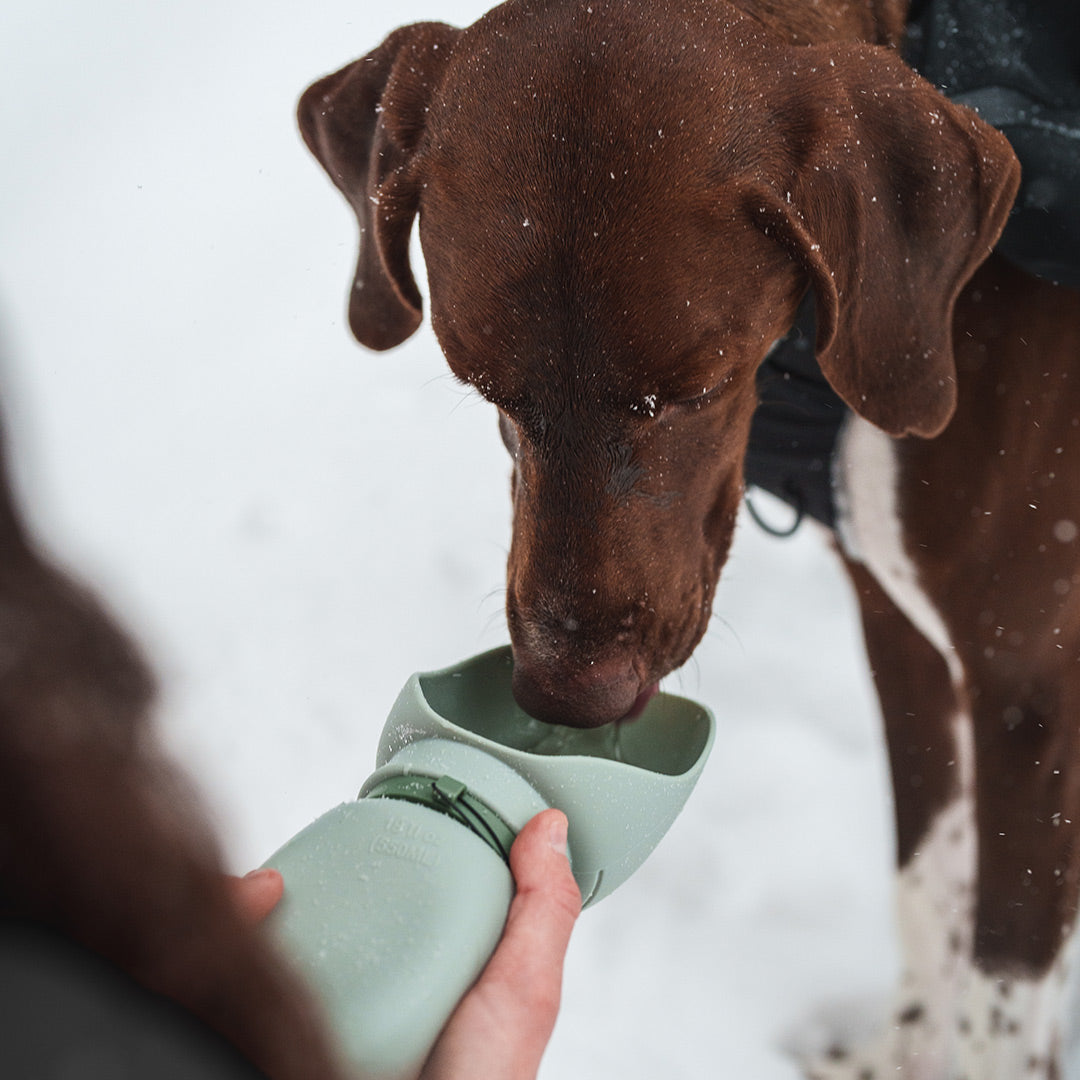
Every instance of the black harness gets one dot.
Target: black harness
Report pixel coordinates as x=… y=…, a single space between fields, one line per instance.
x=1017 y=62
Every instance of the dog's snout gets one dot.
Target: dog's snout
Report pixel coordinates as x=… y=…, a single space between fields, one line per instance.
x=585 y=660
x=599 y=692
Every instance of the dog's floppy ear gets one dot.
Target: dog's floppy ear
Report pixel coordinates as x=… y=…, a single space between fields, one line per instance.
x=890 y=197
x=364 y=123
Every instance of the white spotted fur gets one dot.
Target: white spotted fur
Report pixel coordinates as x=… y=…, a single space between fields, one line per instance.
x=950 y=1020
x=870 y=532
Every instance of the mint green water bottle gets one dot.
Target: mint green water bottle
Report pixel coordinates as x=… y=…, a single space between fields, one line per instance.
x=395 y=902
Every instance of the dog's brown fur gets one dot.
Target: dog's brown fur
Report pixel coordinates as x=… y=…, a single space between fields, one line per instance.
x=620 y=207
x=599 y=195
x=101 y=838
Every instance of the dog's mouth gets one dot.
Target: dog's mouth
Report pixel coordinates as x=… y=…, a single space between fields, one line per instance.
x=641 y=701
x=598 y=695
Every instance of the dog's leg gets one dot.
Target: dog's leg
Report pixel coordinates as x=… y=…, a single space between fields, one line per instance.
x=985 y=968
x=919 y=679
x=929 y=746
x=1028 y=812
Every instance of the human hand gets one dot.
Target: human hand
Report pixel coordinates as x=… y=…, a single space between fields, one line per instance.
x=501 y=1027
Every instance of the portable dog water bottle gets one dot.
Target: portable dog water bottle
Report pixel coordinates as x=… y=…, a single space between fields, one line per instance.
x=395 y=902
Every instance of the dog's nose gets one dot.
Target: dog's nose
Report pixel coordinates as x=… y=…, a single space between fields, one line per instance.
x=599 y=693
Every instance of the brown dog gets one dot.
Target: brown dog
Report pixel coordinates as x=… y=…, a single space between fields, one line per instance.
x=620 y=207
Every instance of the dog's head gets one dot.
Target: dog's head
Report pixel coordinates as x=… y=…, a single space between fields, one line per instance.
x=619 y=214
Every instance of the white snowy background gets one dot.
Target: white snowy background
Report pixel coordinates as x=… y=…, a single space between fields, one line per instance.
x=293 y=525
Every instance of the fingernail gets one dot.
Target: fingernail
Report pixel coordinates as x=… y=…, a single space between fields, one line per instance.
x=259 y=872
x=557 y=834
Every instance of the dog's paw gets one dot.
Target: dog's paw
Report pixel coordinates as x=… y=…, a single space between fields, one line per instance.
x=877 y=1063
x=826 y=1043
x=911 y=1046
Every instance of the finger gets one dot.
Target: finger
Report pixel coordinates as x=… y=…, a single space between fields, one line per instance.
x=257 y=894
x=502 y=1026
x=542 y=915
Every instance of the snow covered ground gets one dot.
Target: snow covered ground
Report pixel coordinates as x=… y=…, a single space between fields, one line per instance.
x=293 y=525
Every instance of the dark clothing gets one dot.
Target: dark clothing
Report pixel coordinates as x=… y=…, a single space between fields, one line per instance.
x=65 y=1014
x=796 y=423
x=1017 y=63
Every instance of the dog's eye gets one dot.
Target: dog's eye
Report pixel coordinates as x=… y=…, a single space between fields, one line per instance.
x=694 y=402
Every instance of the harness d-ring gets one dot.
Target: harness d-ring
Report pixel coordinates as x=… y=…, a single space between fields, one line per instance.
x=796 y=502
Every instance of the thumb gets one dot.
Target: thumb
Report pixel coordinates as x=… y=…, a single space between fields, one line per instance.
x=542 y=915
x=502 y=1026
